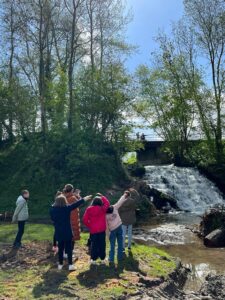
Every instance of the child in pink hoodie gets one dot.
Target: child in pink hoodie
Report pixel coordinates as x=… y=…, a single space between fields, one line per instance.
x=95 y=219
x=115 y=228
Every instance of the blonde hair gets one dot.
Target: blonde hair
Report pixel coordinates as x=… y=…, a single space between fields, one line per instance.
x=60 y=201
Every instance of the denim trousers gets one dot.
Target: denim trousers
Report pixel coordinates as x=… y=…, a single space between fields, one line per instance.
x=116 y=235
x=127 y=230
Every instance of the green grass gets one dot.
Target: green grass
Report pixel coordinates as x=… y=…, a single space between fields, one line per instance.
x=33 y=232
x=96 y=282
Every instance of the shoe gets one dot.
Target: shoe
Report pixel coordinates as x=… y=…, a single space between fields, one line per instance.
x=65 y=256
x=93 y=262
x=60 y=267
x=72 y=268
x=104 y=261
x=16 y=246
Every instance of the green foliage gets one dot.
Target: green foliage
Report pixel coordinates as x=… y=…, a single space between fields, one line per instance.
x=84 y=160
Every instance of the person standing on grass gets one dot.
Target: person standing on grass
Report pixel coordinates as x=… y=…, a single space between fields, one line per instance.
x=21 y=216
x=115 y=228
x=60 y=215
x=95 y=219
x=127 y=214
x=71 y=197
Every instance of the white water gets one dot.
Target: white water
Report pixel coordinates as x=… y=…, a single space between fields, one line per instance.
x=193 y=191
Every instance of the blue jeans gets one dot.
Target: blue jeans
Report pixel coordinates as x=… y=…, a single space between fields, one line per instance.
x=116 y=234
x=127 y=230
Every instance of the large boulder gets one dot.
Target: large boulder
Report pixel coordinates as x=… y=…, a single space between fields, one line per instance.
x=212 y=219
x=160 y=199
x=216 y=238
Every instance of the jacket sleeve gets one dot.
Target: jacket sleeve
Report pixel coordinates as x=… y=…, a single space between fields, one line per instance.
x=17 y=210
x=75 y=204
x=105 y=202
x=86 y=218
x=120 y=202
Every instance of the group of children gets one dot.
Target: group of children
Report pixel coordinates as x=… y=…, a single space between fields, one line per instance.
x=99 y=218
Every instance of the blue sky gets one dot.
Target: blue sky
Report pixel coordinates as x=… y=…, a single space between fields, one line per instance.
x=149 y=16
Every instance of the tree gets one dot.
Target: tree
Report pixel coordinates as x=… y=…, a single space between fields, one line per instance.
x=207 y=18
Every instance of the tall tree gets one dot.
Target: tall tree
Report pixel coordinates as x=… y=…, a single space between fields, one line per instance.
x=207 y=18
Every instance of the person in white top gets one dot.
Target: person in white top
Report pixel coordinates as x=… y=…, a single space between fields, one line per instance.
x=115 y=228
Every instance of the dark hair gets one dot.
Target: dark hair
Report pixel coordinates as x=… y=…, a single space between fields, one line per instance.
x=97 y=201
x=68 y=188
x=110 y=210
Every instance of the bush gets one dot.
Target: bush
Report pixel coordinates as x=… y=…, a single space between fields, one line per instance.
x=85 y=161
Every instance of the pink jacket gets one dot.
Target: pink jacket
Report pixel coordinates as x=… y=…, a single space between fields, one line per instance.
x=94 y=217
x=114 y=220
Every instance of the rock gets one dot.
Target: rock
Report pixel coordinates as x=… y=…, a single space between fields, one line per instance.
x=216 y=238
x=160 y=200
x=211 y=220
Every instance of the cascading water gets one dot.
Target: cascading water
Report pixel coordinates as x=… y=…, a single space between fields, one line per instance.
x=193 y=191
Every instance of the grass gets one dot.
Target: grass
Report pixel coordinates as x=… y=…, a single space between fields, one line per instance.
x=33 y=232
x=43 y=281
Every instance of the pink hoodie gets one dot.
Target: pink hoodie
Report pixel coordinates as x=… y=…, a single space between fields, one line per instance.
x=114 y=220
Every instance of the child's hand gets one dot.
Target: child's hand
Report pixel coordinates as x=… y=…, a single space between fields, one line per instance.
x=87 y=198
x=126 y=194
x=99 y=194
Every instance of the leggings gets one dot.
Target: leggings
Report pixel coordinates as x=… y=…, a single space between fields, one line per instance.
x=67 y=246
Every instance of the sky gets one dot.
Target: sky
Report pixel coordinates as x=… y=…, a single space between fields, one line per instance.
x=149 y=16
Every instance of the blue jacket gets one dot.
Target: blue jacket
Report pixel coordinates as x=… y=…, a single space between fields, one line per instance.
x=61 y=219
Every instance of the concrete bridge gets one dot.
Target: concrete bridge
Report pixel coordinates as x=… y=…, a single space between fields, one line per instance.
x=153 y=153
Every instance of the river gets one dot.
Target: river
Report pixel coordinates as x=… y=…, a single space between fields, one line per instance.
x=171 y=232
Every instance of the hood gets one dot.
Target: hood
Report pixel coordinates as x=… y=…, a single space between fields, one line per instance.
x=20 y=199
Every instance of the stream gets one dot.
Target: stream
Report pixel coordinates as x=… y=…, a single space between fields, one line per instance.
x=171 y=232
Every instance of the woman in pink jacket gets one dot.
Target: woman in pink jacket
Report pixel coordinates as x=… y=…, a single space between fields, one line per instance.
x=115 y=228
x=95 y=219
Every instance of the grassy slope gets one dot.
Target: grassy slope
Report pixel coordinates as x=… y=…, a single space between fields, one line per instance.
x=27 y=165
x=43 y=281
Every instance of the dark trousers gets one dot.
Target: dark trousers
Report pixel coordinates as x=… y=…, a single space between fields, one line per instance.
x=54 y=240
x=67 y=246
x=98 y=246
x=21 y=225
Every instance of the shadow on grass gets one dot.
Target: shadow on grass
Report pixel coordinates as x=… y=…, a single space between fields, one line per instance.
x=99 y=274
x=9 y=255
x=50 y=285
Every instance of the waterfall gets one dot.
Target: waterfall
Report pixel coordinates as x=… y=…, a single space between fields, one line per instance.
x=193 y=191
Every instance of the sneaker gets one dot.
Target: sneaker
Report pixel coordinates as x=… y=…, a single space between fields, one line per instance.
x=104 y=261
x=72 y=268
x=60 y=267
x=93 y=262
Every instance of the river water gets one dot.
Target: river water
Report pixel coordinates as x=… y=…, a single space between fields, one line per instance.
x=171 y=232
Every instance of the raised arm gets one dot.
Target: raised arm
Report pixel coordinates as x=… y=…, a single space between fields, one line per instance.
x=105 y=202
x=75 y=204
x=120 y=202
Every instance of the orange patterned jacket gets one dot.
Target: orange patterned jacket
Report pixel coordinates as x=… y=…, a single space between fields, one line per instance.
x=74 y=217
